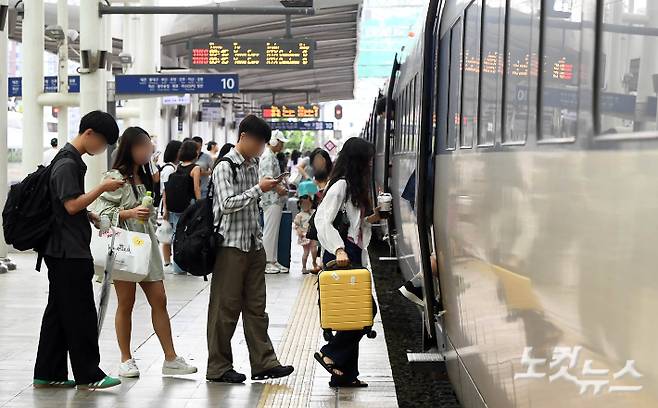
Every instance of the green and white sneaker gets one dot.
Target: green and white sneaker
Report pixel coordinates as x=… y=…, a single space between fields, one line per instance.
x=36 y=383
x=107 y=382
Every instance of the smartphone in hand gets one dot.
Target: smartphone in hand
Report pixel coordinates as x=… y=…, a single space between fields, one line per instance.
x=282 y=177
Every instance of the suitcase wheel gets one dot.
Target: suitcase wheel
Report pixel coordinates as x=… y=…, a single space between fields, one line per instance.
x=328 y=335
x=371 y=334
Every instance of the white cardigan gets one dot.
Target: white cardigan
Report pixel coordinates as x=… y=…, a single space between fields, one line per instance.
x=326 y=213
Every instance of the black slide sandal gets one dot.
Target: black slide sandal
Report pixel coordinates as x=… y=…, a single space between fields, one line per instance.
x=319 y=357
x=354 y=384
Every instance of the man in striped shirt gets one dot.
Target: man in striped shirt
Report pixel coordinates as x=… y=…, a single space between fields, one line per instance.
x=238 y=280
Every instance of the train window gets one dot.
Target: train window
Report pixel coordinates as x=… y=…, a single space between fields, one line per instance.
x=415 y=109
x=491 y=69
x=455 y=84
x=559 y=81
x=442 y=92
x=396 y=126
x=629 y=74
x=521 y=71
x=405 y=119
x=471 y=71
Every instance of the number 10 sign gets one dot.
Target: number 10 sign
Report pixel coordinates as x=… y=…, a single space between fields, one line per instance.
x=176 y=84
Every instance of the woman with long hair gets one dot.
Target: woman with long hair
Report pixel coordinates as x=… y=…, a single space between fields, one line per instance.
x=124 y=208
x=348 y=192
x=322 y=166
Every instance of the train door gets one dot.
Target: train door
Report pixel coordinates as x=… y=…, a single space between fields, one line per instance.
x=425 y=171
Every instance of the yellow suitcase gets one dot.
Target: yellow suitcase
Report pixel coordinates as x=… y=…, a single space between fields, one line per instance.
x=345 y=299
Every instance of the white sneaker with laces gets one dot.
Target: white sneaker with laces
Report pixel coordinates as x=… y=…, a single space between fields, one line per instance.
x=128 y=369
x=281 y=268
x=177 y=366
x=271 y=269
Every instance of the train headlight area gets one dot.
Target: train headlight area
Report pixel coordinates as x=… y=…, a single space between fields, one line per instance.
x=515 y=142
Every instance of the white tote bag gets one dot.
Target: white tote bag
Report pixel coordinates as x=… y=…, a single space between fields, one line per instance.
x=132 y=253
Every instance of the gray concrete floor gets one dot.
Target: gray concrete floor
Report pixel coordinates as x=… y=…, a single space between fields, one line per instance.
x=294 y=329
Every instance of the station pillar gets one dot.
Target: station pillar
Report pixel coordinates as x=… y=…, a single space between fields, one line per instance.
x=32 y=72
x=147 y=61
x=4 y=96
x=92 y=84
x=63 y=72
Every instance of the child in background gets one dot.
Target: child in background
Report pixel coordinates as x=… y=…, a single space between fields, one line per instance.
x=301 y=227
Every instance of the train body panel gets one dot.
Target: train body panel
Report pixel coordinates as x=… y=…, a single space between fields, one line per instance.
x=536 y=256
x=544 y=199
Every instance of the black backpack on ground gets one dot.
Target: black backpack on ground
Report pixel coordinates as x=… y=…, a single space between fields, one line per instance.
x=180 y=189
x=28 y=217
x=197 y=238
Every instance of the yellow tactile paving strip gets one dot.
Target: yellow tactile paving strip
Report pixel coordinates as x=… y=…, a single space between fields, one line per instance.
x=299 y=342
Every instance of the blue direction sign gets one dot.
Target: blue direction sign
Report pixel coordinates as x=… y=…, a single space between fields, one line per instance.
x=176 y=84
x=49 y=85
x=312 y=125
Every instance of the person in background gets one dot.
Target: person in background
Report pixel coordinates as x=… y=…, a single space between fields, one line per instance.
x=302 y=222
x=348 y=190
x=69 y=324
x=205 y=162
x=183 y=186
x=213 y=149
x=272 y=202
x=238 y=281
x=167 y=169
x=281 y=158
x=322 y=166
x=295 y=175
x=225 y=149
x=49 y=155
x=124 y=209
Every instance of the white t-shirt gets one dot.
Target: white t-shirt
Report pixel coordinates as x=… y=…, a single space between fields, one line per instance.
x=167 y=170
x=49 y=155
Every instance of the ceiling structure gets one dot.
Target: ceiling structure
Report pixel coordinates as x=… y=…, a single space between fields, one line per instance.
x=333 y=27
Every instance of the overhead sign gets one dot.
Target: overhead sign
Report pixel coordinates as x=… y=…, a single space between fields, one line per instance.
x=314 y=125
x=231 y=53
x=211 y=111
x=176 y=100
x=50 y=84
x=176 y=84
x=291 y=111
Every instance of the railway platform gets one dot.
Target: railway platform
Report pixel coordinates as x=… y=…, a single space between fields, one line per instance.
x=294 y=329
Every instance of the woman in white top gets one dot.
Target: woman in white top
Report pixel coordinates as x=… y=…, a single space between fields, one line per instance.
x=343 y=221
x=168 y=168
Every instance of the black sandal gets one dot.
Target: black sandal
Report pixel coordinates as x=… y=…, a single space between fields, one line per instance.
x=330 y=367
x=354 y=384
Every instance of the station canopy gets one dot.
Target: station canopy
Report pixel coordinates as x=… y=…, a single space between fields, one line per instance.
x=333 y=27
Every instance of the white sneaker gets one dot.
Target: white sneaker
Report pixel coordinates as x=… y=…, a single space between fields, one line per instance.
x=281 y=268
x=169 y=269
x=177 y=366
x=271 y=269
x=129 y=369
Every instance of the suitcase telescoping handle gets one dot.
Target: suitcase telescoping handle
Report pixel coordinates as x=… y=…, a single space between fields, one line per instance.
x=333 y=266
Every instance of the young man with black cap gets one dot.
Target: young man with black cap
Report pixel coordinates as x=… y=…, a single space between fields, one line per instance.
x=238 y=280
x=69 y=323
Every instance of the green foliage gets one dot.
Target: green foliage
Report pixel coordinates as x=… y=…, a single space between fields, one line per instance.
x=295 y=139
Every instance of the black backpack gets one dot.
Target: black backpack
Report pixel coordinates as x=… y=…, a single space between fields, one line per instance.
x=27 y=217
x=197 y=238
x=180 y=189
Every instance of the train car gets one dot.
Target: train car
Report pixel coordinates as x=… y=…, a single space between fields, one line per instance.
x=536 y=138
